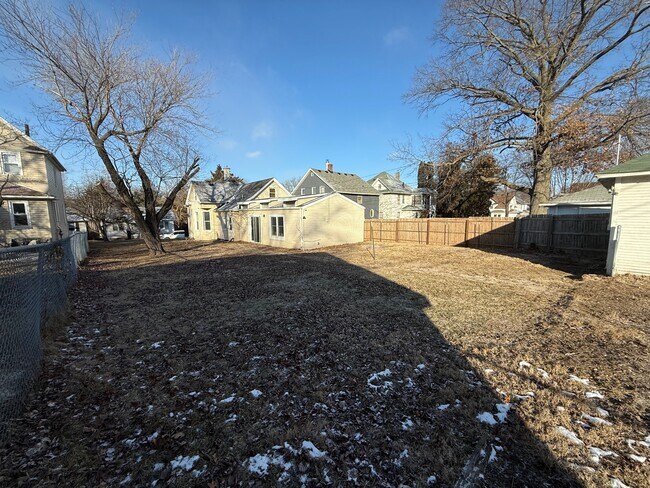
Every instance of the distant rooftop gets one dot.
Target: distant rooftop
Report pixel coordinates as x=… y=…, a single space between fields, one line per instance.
x=637 y=165
x=596 y=195
x=392 y=184
x=345 y=182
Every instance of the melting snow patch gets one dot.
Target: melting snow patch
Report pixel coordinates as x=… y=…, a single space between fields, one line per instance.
x=256 y=393
x=543 y=373
x=158 y=467
x=184 y=462
x=491 y=419
x=503 y=409
x=524 y=364
x=443 y=407
x=230 y=399
x=312 y=450
x=594 y=394
x=153 y=436
x=157 y=345
x=376 y=380
x=486 y=418
x=233 y=343
x=421 y=366
x=573 y=377
x=638 y=459
x=571 y=436
x=126 y=480
x=230 y=419
x=595 y=420
x=602 y=412
x=432 y=479
x=616 y=483
x=597 y=454
x=259 y=464
x=407 y=424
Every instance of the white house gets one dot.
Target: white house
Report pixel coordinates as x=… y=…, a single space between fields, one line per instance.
x=594 y=200
x=629 y=237
x=510 y=204
x=398 y=200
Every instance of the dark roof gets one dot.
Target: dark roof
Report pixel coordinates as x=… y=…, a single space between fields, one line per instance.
x=345 y=182
x=638 y=165
x=12 y=190
x=392 y=184
x=218 y=192
x=244 y=193
x=594 y=195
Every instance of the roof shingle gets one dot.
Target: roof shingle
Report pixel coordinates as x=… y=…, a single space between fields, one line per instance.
x=345 y=182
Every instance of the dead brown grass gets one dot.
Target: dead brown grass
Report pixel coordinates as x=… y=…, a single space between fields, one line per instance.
x=309 y=329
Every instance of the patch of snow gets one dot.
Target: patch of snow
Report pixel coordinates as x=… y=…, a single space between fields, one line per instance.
x=230 y=399
x=543 y=373
x=616 y=483
x=184 y=462
x=232 y=418
x=597 y=454
x=256 y=393
x=443 y=407
x=432 y=479
x=493 y=455
x=420 y=366
x=486 y=418
x=157 y=345
x=173 y=378
x=503 y=409
x=233 y=343
x=407 y=424
x=110 y=454
x=259 y=464
x=197 y=473
x=312 y=450
x=153 y=436
x=638 y=459
x=594 y=394
x=524 y=364
x=126 y=480
x=571 y=436
x=158 y=467
x=573 y=377
x=488 y=371
x=595 y=420
x=560 y=408
x=375 y=378
x=326 y=476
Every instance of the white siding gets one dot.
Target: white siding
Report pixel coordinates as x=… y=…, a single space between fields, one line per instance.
x=578 y=210
x=629 y=247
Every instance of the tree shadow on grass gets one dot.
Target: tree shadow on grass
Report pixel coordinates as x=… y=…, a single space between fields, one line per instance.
x=287 y=368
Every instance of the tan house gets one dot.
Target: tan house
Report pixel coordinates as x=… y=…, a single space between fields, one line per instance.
x=510 y=204
x=629 y=235
x=398 y=200
x=32 y=189
x=264 y=212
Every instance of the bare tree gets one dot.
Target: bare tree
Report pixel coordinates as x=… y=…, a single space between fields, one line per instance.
x=136 y=114
x=291 y=183
x=94 y=202
x=523 y=68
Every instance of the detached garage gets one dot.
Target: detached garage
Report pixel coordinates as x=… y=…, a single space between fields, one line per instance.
x=629 y=237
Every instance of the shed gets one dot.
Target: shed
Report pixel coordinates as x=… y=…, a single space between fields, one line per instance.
x=594 y=200
x=629 y=238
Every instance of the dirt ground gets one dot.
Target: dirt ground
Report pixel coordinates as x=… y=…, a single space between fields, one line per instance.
x=229 y=364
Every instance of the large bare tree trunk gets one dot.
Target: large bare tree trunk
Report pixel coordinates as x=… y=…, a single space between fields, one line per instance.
x=541 y=191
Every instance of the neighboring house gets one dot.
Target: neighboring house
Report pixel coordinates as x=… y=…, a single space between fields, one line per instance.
x=510 y=204
x=397 y=200
x=629 y=237
x=321 y=182
x=76 y=223
x=33 y=207
x=594 y=200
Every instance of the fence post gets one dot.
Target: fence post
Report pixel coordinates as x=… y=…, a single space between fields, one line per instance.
x=466 y=232
x=428 y=222
x=396 y=230
x=515 y=244
x=550 y=232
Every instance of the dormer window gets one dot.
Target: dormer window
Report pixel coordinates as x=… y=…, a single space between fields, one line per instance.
x=11 y=163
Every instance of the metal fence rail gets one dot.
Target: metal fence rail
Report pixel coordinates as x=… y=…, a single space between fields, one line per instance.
x=33 y=284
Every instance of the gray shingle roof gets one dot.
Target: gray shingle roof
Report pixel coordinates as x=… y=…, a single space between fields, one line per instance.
x=595 y=195
x=218 y=192
x=392 y=184
x=245 y=192
x=345 y=182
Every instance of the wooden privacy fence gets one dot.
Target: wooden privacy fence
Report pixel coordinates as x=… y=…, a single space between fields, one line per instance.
x=580 y=234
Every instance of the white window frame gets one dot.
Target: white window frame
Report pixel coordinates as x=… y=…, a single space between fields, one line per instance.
x=277 y=236
x=321 y=189
x=302 y=191
x=27 y=214
x=372 y=213
x=313 y=190
x=207 y=224
x=360 y=199
x=20 y=163
x=229 y=222
x=196 y=218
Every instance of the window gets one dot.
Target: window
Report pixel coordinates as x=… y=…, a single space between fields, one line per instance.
x=11 y=163
x=277 y=227
x=302 y=191
x=20 y=214
x=359 y=199
x=229 y=223
x=321 y=189
x=206 y=220
x=372 y=212
x=196 y=220
x=313 y=190
x=271 y=192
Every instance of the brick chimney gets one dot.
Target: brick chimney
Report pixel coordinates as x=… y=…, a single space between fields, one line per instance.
x=226 y=172
x=397 y=175
x=329 y=167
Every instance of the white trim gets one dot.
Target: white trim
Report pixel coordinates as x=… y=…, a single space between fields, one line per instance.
x=576 y=204
x=310 y=170
x=209 y=221
x=20 y=163
x=284 y=233
x=331 y=195
x=28 y=198
x=12 y=215
x=621 y=175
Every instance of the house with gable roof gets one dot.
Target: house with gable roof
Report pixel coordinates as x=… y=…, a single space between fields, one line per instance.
x=398 y=200
x=351 y=186
x=31 y=187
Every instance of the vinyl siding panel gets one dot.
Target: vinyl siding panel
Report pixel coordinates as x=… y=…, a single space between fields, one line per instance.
x=279 y=192
x=292 y=226
x=39 y=213
x=333 y=221
x=630 y=248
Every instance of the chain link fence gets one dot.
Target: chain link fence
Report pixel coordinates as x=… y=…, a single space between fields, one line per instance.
x=33 y=284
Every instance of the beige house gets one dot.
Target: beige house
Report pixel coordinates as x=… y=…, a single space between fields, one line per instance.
x=397 y=200
x=32 y=189
x=629 y=238
x=264 y=212
x=510 y=204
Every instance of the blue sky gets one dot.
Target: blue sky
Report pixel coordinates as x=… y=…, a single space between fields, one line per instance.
x=294 y=82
